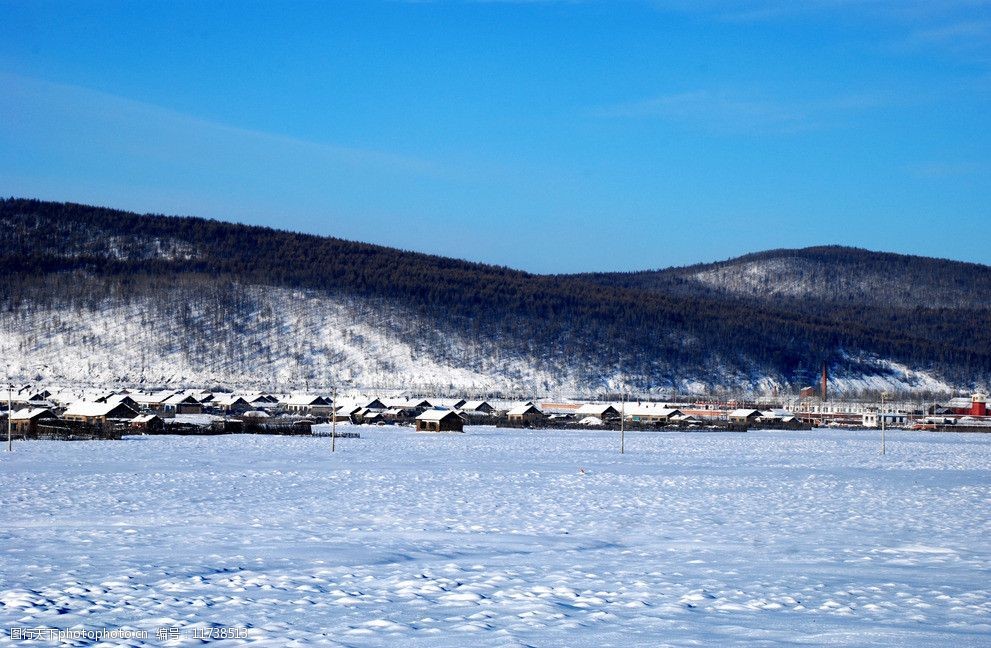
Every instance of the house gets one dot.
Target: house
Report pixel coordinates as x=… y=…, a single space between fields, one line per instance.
x=526 y=414
x=448 y=403
x=974 y=405
x=400 y=414
x=24 y=423
x=97 y=413
x=181 y=404
x=438 y=420
x=350 y=412
x=416 y=404
x=124 y=399
x=148 y=424
x=232 y=404
x=890 y=419
x=602 y=411
x=257 y=399
x=651 y=413
x=373 y=417
x=560 y=411
x=307 y=405
x=475 y=407
x=375 y=404
x=744 y=416
x=154 y=401
x=780 y=419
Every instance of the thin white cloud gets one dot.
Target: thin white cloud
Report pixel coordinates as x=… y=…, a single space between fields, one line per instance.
x=935 y=170
x=730 y=112
x=47 y=105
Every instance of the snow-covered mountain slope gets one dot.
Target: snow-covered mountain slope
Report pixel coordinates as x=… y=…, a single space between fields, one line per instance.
x=283 y=339
x=274 y=338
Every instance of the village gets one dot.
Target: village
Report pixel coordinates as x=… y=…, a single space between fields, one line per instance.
x=36 y=412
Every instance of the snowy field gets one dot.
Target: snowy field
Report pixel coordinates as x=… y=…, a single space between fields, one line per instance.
x=495 y=538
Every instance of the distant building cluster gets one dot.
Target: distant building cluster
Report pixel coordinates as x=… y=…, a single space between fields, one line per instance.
x=37 y=412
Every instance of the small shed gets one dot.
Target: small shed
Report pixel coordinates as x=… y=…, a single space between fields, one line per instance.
x=148 y=424
x=435 y=420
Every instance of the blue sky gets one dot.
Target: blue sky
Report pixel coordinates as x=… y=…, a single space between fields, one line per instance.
x=547 y=136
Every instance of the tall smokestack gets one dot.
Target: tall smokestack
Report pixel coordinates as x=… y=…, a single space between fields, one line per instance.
x=825 y=382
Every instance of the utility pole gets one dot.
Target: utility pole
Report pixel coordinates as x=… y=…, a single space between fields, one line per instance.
x=883 y=395
x=333 y=420
x=622 y=424
x=10 y=423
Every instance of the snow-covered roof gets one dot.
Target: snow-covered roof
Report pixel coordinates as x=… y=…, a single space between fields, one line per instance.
x=744 y=413
x=305 y=399
x=408 y=402
x=436 y=414
x=144 y=418
x=591 y=420
x=650 y=409
x=155 y=398
x=180 y=398
x=118 y=398
x=520 y=410
x=449 y=403
x=196 y=419
x=89 y=408
x=595 y=409
x=776 y=413
x=229 y=399
x=29 y=413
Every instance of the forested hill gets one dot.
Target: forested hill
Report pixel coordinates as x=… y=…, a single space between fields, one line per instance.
x=204 y=300
x=833 y=274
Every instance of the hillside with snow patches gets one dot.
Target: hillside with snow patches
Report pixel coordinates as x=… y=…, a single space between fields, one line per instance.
x=280 y=338
x=96 y=296
x=297 y=340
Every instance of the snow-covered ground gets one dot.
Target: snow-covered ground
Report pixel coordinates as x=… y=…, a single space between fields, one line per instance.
x=497 y=538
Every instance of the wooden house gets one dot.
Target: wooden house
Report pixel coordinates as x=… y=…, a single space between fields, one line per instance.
x=147 y=424
x=603 y=411
x=744 y=416
x=526 y=414
x=182 y=404
x=307 y=405
x=98 y=413
x=375 y=404
x=475 y=407
x=418 y=405
x=651 y=413
x=400 y=414
x=118 y=399
x=438 y=420
x=232 y=404
x=154 y=401
x=24 y=423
